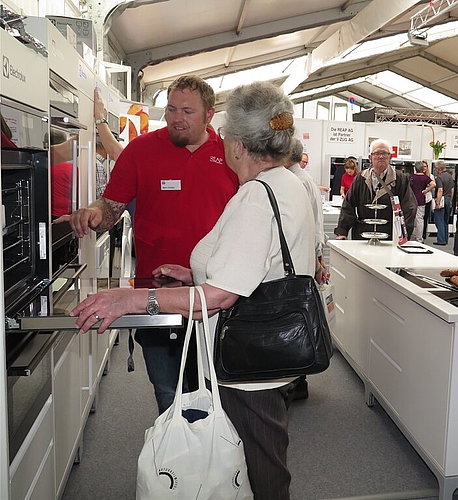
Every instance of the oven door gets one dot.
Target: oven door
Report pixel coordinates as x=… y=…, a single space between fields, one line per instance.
x=69 y=289
x=26 y=223
x=29 y=386
x=32 y=334
x=64 y=138
x=25 y=127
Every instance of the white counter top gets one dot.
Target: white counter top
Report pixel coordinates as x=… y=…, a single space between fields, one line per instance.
x=376 y=259
x=330 y=209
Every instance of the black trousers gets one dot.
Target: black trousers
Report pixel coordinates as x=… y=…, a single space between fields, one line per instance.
x=427 y=214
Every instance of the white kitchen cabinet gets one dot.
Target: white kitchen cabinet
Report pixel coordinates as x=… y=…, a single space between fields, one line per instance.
x=351 y=298
x=410 y=356
x=67 y=405
x=32 y=470
x=85 y=357
x=330 y=218
x=103 y=349
x=401 y=340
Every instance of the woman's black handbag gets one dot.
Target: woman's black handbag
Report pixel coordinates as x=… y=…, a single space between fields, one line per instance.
x=279 y=331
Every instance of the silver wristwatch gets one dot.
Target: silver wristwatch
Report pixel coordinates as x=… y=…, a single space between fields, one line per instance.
x=101 y=120
x=152 y=307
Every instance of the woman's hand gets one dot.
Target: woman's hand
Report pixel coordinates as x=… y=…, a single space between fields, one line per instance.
x=172 y=275
x=108 y=305
x=321 y=273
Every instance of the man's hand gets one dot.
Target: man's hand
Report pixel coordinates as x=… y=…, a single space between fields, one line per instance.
x=180 y=274
x=341 y=237
x=99 y=106
x=101 y=216
x=82 y=220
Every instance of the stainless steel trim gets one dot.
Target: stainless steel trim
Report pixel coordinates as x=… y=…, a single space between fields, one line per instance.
x=52 y=323
x=75 y=179
x=434 y=282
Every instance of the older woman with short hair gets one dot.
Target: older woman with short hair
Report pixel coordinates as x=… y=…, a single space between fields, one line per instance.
x=241 y=251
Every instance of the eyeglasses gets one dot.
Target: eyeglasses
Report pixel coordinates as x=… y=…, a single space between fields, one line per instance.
x=381 y=155
x=304 y=162
x=221 y=133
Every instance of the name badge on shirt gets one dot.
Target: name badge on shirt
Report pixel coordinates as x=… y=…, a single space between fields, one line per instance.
x=171 y=185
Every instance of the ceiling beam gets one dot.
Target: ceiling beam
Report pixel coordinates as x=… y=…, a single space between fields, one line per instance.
x=426 y=83
x=440 y=61
x=153 y=74
x=366 y=22
x=377 y=14
x=350 y=70
x=156 y=55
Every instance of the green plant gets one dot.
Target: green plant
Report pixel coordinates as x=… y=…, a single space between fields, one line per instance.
x=438 y=147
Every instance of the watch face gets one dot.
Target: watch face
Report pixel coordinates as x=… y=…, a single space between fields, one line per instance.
x=152 y=308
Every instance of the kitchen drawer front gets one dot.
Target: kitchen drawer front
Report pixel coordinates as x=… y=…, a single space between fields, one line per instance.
x=410 y=364
x=33 y=465
x=350 y=330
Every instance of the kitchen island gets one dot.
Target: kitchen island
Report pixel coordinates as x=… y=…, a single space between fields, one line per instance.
x=398 y=334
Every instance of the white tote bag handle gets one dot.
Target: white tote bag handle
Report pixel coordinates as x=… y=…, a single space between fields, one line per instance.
x=211 y=367
x=200 y=370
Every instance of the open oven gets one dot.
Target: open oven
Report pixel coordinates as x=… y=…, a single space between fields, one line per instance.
x=64 y=164
x=37 y=294
x=26 y=262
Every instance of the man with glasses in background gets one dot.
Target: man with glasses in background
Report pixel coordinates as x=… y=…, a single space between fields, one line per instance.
x=376 y=184
x=304 y=160
x=304 y=164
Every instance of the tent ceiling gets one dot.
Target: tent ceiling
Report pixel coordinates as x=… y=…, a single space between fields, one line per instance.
x=162 y=39
x=434 y=67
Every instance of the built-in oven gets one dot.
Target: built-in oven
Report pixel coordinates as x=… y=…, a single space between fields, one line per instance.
x=37 y=298
x=26 y=262
x=64 y=160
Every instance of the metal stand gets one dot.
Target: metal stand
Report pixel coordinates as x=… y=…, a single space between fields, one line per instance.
x=374 y=236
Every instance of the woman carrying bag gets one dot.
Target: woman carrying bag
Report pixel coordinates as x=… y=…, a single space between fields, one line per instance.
x=239 y=254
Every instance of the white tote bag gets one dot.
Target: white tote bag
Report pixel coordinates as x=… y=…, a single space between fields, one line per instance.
x=201 y=460
x=327 y=297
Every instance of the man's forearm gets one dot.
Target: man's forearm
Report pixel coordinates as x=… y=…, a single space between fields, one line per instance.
x=111 y=212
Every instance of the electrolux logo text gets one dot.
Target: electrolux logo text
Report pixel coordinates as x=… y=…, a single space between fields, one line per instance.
x=10 y=71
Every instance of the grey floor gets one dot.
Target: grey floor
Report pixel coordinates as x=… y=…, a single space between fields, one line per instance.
x=339 y=447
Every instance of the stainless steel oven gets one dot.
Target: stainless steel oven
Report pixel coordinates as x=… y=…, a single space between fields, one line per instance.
x=26 y=262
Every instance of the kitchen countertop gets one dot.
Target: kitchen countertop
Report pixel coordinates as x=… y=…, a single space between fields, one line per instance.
x=330 y=209
x=376 y=260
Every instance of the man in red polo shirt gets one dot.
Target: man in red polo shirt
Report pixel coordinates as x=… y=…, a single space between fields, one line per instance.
x=181 y=183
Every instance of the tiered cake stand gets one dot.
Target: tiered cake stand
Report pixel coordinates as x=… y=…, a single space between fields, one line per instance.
x=375 y=236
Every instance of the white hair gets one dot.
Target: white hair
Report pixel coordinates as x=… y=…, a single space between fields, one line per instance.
x=380 y=142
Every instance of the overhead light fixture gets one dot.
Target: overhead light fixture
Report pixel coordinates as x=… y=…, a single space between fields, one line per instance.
x=418 y=39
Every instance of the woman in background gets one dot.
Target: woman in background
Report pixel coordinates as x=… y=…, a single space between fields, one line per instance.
x=351 y=169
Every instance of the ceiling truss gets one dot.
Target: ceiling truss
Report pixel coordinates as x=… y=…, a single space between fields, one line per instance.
x=416 y=115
